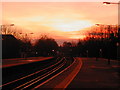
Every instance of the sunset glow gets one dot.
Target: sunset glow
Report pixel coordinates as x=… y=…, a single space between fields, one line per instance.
x=67 y=44
x=72 y=26
x=78 y=37
x=57 y=19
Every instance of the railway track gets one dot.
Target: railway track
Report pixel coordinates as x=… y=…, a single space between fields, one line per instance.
x=34 y=79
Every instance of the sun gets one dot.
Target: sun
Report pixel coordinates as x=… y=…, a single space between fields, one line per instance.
x=72 y=26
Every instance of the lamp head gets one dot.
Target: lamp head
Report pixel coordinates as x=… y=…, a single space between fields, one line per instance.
x=11 y=24
x=106 y=3
x=97 y=24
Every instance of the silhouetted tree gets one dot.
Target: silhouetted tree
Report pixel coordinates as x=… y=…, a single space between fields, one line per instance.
x=46 y=46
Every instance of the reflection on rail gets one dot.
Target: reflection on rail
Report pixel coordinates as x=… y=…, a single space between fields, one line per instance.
x=32 y=80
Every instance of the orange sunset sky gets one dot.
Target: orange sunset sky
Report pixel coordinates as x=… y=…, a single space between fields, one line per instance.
x=59 y=20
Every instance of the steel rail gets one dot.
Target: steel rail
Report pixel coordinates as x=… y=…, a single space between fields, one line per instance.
x=36 y=80
x=56 y=74
x=32 y=73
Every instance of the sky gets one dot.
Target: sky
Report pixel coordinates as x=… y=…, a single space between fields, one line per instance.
x=59 y=0
x=59 y=20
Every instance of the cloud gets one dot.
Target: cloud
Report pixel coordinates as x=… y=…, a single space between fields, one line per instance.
x=58 y=19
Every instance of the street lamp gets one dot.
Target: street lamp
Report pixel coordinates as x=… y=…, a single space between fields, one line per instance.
x=118 y=42
x=101 y=33
x=110 y=3
x=105 y=27
x=101 y=29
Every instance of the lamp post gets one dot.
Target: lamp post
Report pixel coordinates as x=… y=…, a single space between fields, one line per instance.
x=101 y=29
x=118 y=41
x=99 y=50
